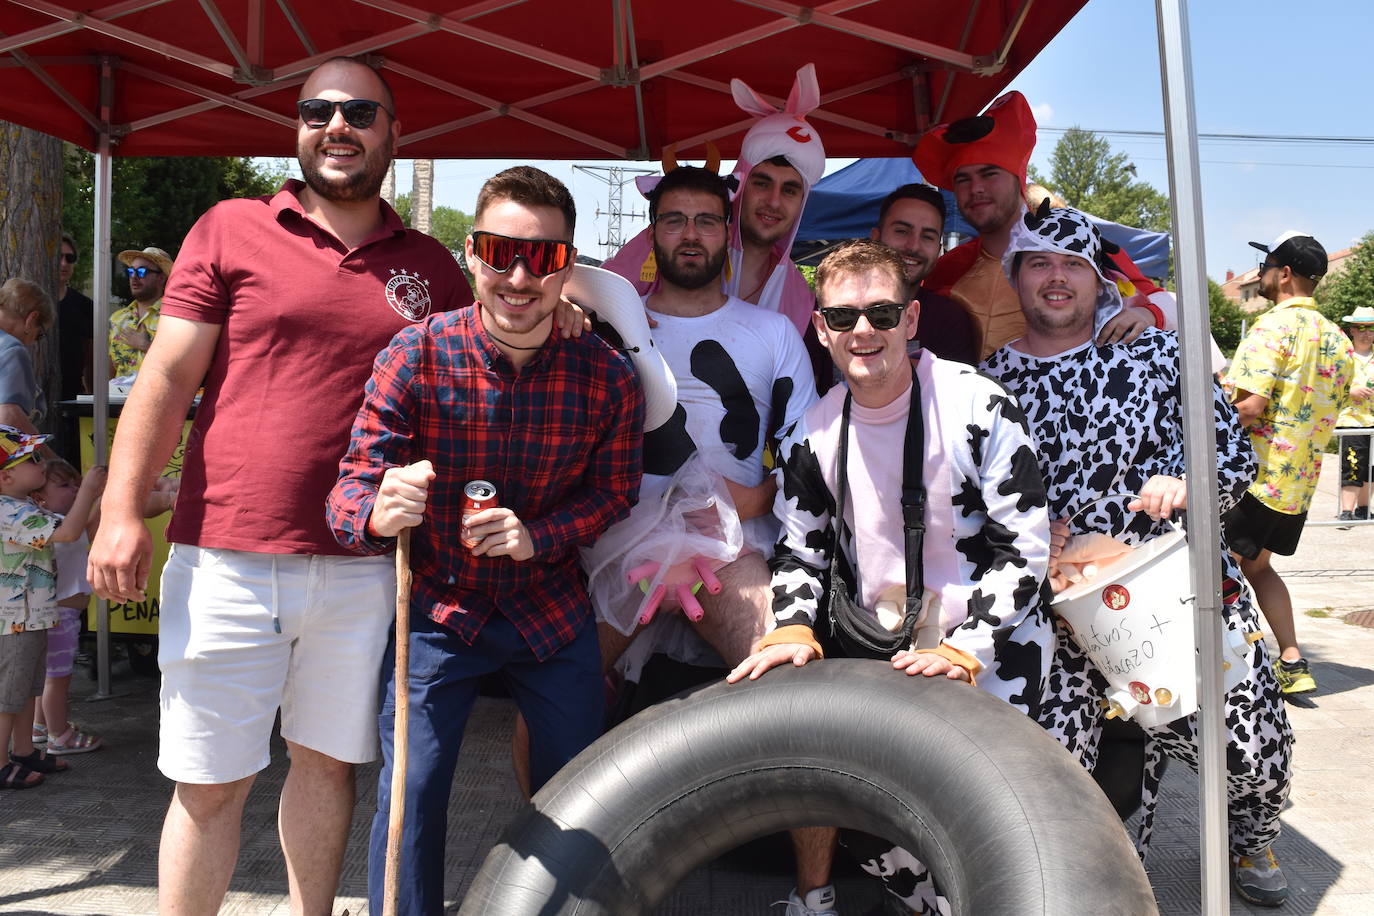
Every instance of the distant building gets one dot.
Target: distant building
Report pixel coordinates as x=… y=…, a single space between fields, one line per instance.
x=1243 y=289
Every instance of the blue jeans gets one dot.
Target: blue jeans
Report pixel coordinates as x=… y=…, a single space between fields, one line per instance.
x=561 y=698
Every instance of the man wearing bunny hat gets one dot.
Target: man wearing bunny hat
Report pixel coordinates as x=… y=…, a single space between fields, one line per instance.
x=983 y=161
x=1109 y=421
x=780 y=160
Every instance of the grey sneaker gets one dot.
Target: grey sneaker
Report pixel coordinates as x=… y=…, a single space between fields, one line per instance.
x=1346 y=515
x=819 y=902
x=1259 y=879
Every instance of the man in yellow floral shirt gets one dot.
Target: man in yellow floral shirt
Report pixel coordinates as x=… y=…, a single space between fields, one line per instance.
x=1292 y=376
x=132 y=326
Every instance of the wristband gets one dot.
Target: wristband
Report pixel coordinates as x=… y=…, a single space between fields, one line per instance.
x=793 y=633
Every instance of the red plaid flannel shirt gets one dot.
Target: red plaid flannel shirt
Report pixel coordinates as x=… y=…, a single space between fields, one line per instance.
x=561 y=440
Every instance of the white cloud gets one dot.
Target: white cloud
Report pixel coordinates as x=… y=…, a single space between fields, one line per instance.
x=1044 y=114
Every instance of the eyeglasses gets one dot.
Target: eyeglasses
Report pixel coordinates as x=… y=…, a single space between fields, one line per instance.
x=884 y=316
x=675 y=223
x=541 y=256
x=359 y=113
x=1266 y=265
x=69 y=257
x=140 y=272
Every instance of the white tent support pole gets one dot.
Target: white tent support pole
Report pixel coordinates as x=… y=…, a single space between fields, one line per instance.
x=1204 y=534
x=100 y=287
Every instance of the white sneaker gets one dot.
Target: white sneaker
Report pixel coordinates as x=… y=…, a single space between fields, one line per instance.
x=819 y=902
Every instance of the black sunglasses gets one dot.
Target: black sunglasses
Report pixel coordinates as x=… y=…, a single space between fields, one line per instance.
x=359 y=113
x=541 y=256
x=69 y=257
x=140 y=272
x=884 y=316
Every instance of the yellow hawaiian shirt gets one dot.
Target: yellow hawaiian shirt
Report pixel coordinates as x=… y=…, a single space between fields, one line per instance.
x=1360 y=413
x=1303 y=364
x=125 y=359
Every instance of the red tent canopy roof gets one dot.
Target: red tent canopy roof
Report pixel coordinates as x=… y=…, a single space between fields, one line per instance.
x=546 y=79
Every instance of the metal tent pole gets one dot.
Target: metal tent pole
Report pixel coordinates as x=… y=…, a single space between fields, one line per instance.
x=1204 y=535
x=100 y=284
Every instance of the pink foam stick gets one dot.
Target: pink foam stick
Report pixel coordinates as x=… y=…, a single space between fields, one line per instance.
x=643 y=572
x=650 y=606
x=706 y=574
x=690 y=605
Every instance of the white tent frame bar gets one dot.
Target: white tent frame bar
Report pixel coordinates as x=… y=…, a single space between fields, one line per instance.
x=1204 y=525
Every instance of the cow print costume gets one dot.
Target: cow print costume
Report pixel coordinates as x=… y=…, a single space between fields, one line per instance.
x=985 y=553
x=1106 y=420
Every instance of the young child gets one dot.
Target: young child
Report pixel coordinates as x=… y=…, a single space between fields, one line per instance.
x=28 y=596
x=58 y=495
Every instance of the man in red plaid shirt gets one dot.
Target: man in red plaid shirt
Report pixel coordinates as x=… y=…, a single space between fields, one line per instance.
x=557 y=425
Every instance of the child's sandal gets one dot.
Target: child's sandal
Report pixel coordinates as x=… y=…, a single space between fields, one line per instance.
x=40 y=735
x=40 y=762
x=72 y=741
x=18 y=776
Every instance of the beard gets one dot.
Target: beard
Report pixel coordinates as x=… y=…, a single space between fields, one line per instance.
x=363 y=184
x=1053 y=322
x=1001 y=214
x=690 y=276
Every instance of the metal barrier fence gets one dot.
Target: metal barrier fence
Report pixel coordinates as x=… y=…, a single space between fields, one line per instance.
x=1348 y=450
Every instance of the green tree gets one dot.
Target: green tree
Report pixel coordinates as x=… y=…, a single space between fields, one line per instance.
x=448 y=225
x=154 y=201
x=1090 y=177
x=1226 y=316
x=1339 y=295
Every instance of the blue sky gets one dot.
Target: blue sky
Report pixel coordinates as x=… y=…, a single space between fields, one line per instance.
x=1260 y=67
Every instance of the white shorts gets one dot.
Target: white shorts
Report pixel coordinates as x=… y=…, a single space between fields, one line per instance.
x=243 y=634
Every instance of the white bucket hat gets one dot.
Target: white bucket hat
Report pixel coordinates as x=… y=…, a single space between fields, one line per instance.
x=614 y=300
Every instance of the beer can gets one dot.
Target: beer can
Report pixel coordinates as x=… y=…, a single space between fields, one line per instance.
x=477 y=495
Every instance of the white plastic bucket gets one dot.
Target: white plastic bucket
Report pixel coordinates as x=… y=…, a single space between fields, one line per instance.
x=1135 y=621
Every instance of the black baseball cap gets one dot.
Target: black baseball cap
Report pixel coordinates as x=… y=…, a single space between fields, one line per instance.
x=1297 y=251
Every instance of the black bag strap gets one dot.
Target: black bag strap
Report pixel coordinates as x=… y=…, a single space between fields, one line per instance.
x=849 y=621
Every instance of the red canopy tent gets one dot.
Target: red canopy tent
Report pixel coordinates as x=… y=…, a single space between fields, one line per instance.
x=510 y=78
x=613 y=79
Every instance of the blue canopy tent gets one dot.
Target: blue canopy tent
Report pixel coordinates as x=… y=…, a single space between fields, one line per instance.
x=844 y=205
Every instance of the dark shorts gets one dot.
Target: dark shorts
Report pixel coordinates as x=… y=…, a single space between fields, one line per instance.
x=1354 y=451
x=22 y=657
x=1251 y=527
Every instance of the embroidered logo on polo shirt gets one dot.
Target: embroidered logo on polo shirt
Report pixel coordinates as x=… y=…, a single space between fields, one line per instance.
x=408 y=294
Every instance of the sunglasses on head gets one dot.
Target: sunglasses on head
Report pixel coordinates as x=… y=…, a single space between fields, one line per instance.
x=359 y=113
x=140 y=272
x=883 y=316
x=541 y=256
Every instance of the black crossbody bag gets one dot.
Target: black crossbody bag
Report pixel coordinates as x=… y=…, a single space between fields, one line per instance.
x=855 y=629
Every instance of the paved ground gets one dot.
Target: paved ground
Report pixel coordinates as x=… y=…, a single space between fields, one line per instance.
x=87 y=841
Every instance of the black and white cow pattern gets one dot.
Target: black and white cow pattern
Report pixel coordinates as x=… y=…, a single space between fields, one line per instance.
x=997 y=612
x=1106 y=420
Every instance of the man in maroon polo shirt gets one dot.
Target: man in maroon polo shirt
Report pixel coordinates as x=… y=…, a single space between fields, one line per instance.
x=279 y=304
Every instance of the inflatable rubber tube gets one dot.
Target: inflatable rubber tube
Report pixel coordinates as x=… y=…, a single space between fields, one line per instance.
x=1007 y=821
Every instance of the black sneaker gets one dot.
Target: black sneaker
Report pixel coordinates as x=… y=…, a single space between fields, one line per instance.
x=1361 y=513
x=1346 y=515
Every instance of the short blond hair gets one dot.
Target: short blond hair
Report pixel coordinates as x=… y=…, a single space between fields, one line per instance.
x=859 y=256
x=20 y=297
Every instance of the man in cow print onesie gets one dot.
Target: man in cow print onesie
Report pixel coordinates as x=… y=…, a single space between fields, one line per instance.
x=1108 y=420
x=986 y=542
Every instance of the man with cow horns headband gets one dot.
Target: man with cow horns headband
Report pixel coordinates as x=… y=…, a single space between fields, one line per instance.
x=780 y=160
x=983 y=161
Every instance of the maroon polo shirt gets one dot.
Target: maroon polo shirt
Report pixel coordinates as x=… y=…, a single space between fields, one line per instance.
x=302 y=319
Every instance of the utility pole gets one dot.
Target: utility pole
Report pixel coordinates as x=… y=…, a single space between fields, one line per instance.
x=615 y=178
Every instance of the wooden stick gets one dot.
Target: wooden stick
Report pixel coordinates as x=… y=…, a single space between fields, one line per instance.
x=400 y=742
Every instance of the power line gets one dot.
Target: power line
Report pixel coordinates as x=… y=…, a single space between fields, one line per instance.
x=1247 y=138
